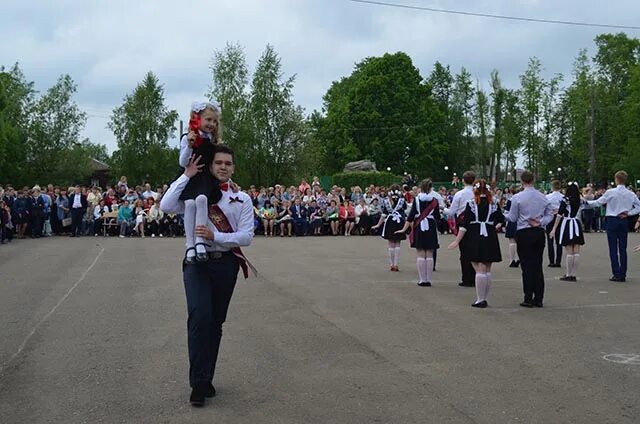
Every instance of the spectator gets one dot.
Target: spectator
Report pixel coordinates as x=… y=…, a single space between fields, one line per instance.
x=363 y=221
x=299 y=216
x=268 y=214
x=140 y=218
x=78 y=205
x=64 y=213
x=285 y=219
x=36 y=204
x=125 y=218
x=333 y=218
x=156 y=219
x=304 y=185
x=315 y=218
x=347 y=216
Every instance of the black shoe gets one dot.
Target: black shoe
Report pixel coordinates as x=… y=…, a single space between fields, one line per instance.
x=537 y=304
x=574 y=278
x=197 y=396
x=482 y=304
x=617 y=279
x=526 y=304
x=513 y=264
x=210 y=391
x=424 y=284
x=566 y=278
x=466 y=285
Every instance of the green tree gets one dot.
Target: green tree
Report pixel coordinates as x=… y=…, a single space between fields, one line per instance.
x=531 y=95
x=498 y=97
x=464 y=148
x=16 y=99
x=481 y=119
x=142 y=126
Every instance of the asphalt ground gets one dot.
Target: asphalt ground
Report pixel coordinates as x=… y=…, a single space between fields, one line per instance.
x=94 y=331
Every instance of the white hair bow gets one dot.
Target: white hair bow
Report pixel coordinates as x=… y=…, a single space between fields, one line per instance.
x=202 y=105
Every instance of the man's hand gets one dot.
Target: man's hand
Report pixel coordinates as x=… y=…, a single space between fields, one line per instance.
x=534 y=222
x=204 y=232
x=623 y=215
x=193 y=167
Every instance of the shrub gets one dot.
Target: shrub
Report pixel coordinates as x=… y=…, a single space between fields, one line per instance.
x=363 y=179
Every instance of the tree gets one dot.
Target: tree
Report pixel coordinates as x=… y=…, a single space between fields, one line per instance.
x=142 y=126
x=481 y=122
x=55 y=124
x=461 y=116
x=498 y=95
x=531 y=93
x=16 y=99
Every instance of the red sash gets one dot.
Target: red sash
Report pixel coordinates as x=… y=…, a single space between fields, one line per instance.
x=221 y=222
x=425 y=213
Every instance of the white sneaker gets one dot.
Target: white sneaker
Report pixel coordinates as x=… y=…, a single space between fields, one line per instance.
x=121 y=236
x=161 y=235
x=152 y=235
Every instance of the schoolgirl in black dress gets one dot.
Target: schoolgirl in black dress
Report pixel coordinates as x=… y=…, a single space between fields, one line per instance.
x=568 y=230
x=423 y=219
x=393 y=219
x=482 y=220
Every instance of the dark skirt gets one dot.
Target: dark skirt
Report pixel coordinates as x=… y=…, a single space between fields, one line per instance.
x=390 y=228
x=202 y=183
x=510 y=230
x=567 y=240
x=479 y=248
x=426 y=240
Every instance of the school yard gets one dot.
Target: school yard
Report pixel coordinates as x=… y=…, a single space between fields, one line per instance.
x=94 y=331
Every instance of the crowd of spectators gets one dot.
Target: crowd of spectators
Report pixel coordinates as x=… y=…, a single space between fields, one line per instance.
x=304 y=210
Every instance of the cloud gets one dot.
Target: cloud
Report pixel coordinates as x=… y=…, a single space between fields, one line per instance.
x=107 y=47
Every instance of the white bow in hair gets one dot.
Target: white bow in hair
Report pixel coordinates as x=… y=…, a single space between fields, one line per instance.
x=202 y=105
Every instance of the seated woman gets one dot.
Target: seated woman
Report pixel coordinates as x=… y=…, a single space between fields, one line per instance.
x=156 y=219
x=268 y=216
x=316 y=215
x=140 y=217
x=332 y=217
x=363 y=221
x=283 y=217
x=347 y=216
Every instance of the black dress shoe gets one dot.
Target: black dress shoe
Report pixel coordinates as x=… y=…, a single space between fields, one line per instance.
x=526 y=304
x=482 y=304
x=424 y=284
x=197 y=396
x=617 y=279
x=513 y=264
x=537 y=304
x=466 y=285
x=210 y=391
x=565 y=278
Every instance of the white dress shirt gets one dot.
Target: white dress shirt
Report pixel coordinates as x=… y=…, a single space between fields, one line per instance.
x=529 y=204
x=77 y=201
x=618 y=200
x=459 y=202
x=239 y=214
x=554 y=199
x=438 y=197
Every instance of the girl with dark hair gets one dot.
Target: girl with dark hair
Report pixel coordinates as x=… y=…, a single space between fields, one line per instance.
x=394 y=218
x=510 y=233
x=423 y=219
x=482 y=221
x=568 y=229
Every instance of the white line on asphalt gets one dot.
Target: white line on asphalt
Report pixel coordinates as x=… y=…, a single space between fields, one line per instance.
x=33 y=331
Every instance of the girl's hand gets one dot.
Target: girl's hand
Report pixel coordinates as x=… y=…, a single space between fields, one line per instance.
x=204 y=232
x=193 y=167
x=399 y=232
x=191 y=138
x=234 y=187
x=453 y=245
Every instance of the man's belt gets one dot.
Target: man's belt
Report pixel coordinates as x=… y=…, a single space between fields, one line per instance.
x=219 y=255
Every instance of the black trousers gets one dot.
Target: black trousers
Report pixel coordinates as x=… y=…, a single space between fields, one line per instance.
x=553 y=247
x=468 y=273
x=208 y=287
x=531 y=250
x=36 y=222
x=76 y=220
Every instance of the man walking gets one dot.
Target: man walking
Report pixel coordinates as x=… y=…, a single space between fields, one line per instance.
x=458 y=205
x=621 y=203
x=531 y=211
x=209 y=285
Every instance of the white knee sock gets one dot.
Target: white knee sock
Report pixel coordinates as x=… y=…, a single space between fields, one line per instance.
x=576 y=261
x=569 y=265
x=429 y=269
x=513 y=252
x=190 y=225
x=487 y=277
x=421 y=270
x=481 y=284
x=397 y=256
x=202 y=214
x=392 y=253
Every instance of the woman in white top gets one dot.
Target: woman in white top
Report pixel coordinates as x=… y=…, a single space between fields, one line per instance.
x=156 y=219
x=140 y=214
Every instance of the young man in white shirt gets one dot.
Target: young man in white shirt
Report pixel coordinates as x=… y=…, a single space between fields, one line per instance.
x=209 y=285
x=458 y=205
x=621 y=203
x=554 y=248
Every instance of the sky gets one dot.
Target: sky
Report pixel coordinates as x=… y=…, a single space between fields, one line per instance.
x=108 y=46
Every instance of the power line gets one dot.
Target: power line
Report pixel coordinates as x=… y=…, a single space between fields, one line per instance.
x=490 y=15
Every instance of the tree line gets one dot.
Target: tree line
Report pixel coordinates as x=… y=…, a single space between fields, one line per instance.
x=586 y=124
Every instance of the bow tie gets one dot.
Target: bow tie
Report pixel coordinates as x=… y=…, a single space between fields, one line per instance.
x=235 y=199
x=224 y=186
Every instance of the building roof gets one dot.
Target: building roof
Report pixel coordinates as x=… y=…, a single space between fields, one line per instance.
x=97 y=165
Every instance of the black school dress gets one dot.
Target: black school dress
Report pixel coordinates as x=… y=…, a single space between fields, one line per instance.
x=395 y=220
x=203 y=182
x=425 y=233
x=569 y=232
x=511 y=227
x=481 y=239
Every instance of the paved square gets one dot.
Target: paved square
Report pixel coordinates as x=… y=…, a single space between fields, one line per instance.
x=94 y=330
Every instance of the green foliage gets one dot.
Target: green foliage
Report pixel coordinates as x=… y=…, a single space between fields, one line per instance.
x=363 y=179
x=142 y=126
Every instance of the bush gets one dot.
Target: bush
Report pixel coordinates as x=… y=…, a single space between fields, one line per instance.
x=363 y=179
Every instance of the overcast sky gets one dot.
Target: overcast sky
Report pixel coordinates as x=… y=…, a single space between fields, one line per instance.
x=108 y=46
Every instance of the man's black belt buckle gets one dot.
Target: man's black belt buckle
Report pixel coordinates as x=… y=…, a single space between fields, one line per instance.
x=215 y=255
